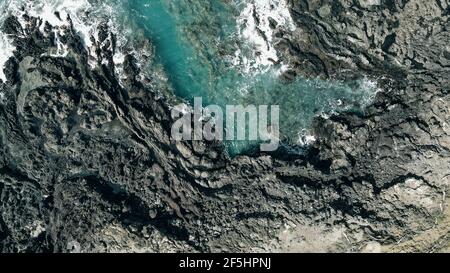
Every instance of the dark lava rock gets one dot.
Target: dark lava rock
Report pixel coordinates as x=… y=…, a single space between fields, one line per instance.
x=87 y=163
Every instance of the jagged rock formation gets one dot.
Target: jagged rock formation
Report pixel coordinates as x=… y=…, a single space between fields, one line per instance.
x=87 y=164
x=371 y=36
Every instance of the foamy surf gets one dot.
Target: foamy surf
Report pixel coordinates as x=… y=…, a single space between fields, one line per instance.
x=46 y=11
x=7 y=50
x=84 y=16
x=257 y=30
x=253 y=79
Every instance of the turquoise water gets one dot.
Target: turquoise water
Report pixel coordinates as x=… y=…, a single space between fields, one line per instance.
x=193 y=42
x=196 y=43
x=186 y=75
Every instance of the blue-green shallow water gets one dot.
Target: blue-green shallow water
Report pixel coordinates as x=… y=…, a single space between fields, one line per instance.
x=185 y=73
x=193 y=41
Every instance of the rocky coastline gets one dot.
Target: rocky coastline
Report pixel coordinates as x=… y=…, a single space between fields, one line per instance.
x=87 y=163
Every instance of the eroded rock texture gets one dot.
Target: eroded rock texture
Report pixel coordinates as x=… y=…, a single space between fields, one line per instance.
x=87 y=164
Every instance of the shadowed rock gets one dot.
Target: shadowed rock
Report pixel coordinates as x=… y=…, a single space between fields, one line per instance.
x=86 y=159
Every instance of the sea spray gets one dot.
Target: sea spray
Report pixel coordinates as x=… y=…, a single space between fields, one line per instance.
x=209 y=49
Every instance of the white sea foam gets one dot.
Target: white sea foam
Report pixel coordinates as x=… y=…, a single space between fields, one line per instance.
x=2 y=98
x=85 y=18
x=7 y=50
x=254 y=28
x=370 y=88
x=305 y=138
x=62 y=49
x=45 y=10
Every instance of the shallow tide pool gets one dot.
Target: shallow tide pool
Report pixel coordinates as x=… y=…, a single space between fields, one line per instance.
x=207 y=50
x=219 y=50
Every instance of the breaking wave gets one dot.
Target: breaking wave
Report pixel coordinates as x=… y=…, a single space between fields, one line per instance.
x=222 y=52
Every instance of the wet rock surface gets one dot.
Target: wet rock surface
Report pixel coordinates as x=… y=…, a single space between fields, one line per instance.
x=87 y=163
